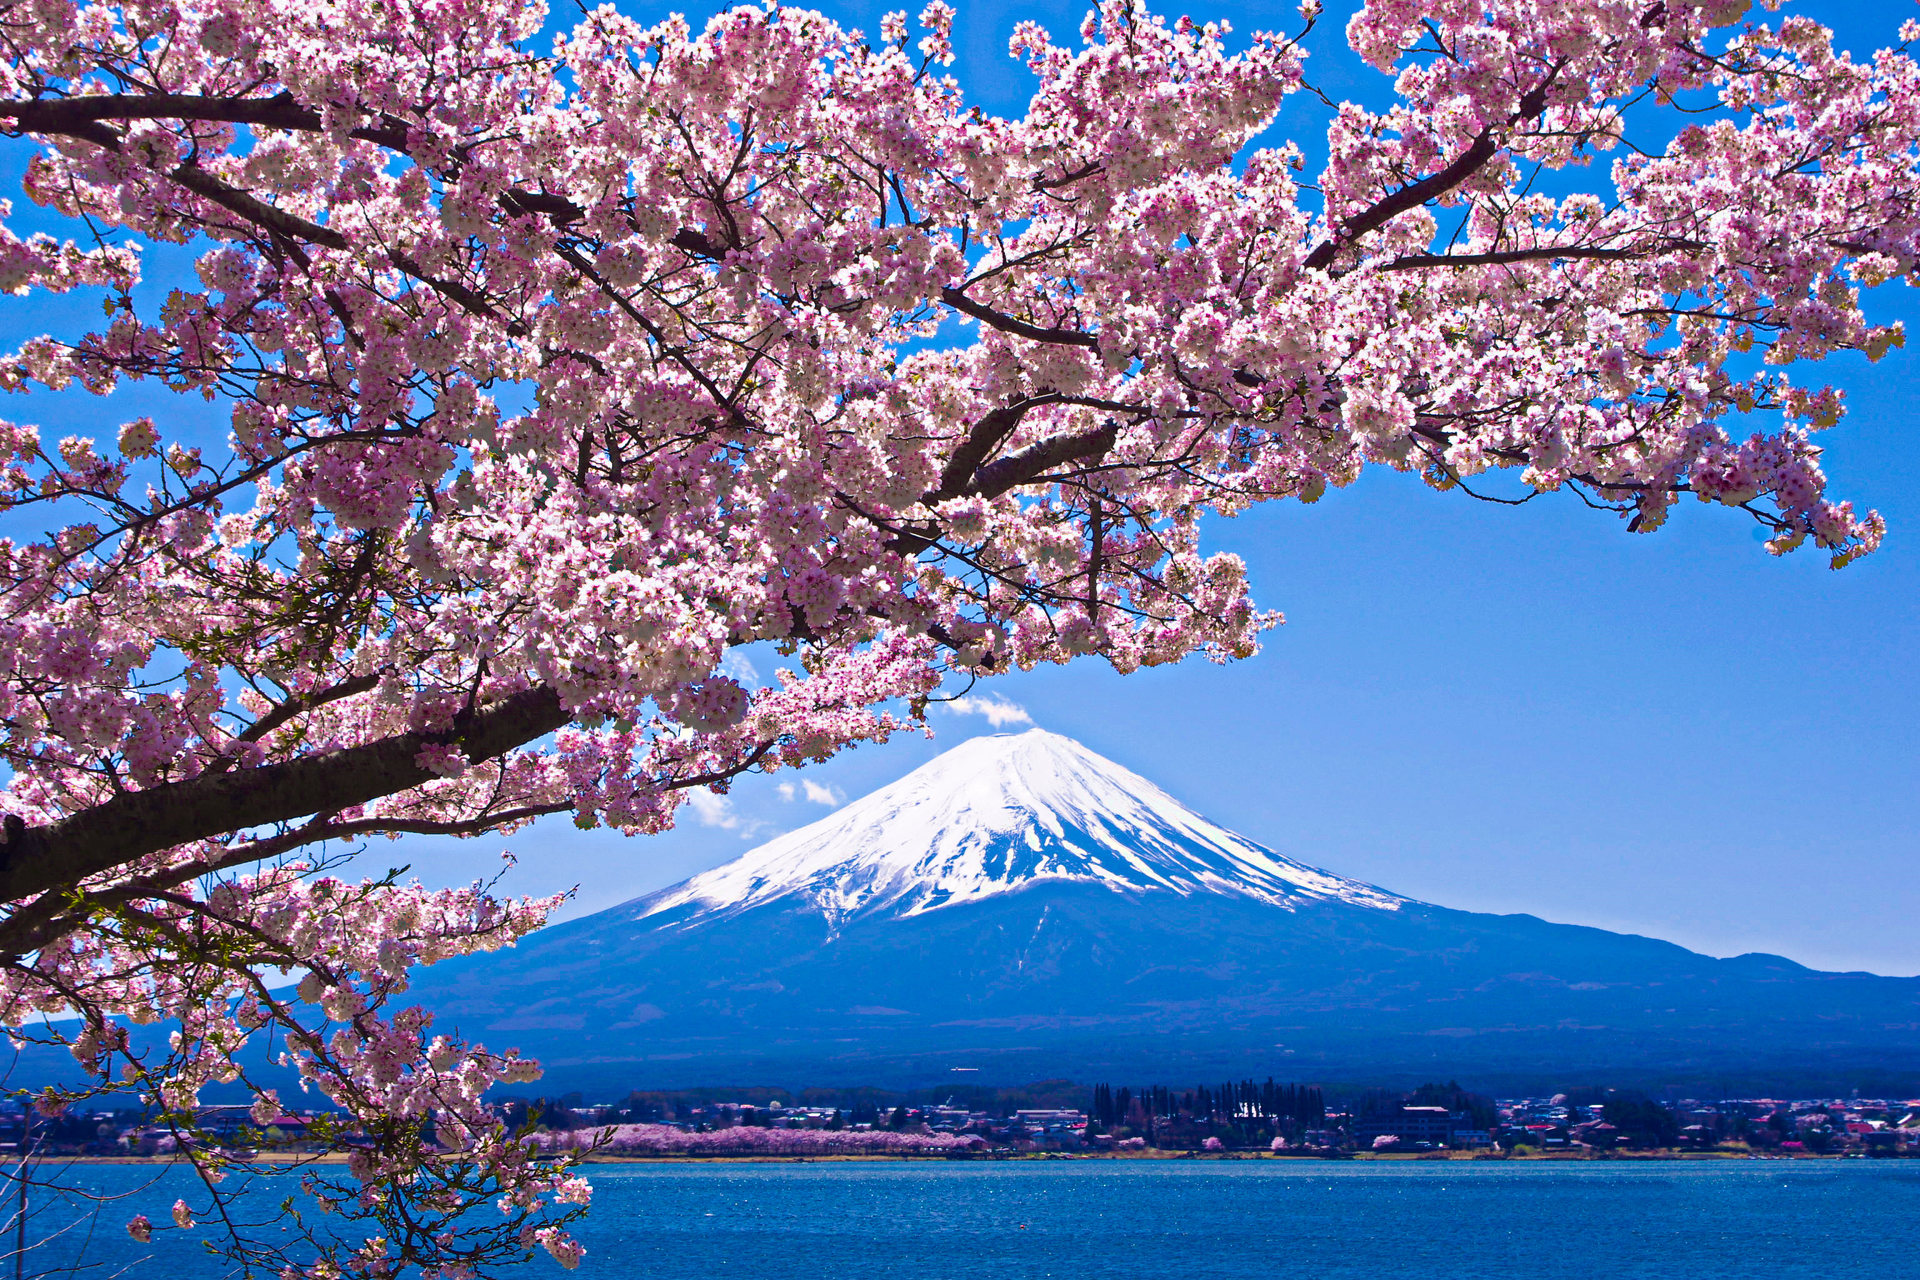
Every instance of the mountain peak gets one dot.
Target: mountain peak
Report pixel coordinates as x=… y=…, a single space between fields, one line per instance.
x=996 y=814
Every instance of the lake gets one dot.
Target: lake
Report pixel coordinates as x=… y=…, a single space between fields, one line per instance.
x=1197 y=1220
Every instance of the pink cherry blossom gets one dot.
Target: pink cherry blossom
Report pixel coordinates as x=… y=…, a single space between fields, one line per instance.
x=550 y=374
x=661 y=1139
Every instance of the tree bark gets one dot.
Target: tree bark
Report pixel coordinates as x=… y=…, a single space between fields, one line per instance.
x=34 y=860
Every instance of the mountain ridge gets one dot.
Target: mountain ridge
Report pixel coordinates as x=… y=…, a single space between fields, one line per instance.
x=989 y=816
x=1024 y=907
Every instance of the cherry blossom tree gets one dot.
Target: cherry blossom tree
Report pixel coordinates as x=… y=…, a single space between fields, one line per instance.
x=743 y=1140
x=521 y=380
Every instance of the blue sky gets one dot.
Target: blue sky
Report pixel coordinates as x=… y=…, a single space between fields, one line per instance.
x=1503 y=709
x=1489 y=708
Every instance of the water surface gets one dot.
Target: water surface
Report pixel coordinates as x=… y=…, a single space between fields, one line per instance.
x=1198 y=1220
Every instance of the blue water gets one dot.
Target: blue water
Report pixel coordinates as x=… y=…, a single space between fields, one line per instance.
x=1195 y=1220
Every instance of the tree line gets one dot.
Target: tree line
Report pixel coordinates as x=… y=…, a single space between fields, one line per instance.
x=1231 y=1102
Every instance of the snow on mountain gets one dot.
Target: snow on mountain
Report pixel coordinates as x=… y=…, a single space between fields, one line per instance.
x=1023 y=907
x=993 y=815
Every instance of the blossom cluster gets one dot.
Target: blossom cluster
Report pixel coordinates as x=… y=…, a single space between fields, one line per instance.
x=550 y=376
x=666 y=1140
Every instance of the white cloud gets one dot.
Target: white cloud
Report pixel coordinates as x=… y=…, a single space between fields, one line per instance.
x=811 y=791
x=711 y=810
x=735 y=664
x=999 y=711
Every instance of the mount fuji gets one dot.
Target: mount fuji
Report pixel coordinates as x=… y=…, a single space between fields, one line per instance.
x=1020 y=907
x=999 y=815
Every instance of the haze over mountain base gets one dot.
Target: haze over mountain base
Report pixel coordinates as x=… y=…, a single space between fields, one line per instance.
x=1020 y=907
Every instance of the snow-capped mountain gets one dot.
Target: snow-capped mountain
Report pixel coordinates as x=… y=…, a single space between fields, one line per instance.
x=1023 y=908
x=996 y=815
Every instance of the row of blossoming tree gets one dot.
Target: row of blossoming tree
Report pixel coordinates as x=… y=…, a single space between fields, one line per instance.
x=666 y=1140
x=544 y=372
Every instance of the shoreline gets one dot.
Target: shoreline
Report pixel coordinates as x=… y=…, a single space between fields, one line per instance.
x=1030 y=1157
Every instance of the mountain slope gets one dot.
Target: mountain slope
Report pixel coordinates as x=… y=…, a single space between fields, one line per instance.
x=1022 y=907
x=996 y=815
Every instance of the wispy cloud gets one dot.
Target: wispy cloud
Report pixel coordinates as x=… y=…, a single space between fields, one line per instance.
x=711 y=810
x=811 y=791
x=997 y=708
x=735 y=664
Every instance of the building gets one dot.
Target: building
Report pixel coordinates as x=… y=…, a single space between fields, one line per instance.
x=1050 y=1118
x=1433 y=1125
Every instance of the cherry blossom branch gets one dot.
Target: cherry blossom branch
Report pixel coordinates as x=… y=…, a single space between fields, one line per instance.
x=34 y=860
x=1484 y=147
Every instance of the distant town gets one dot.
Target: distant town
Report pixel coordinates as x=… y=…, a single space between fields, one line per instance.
x=1057 y=1117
